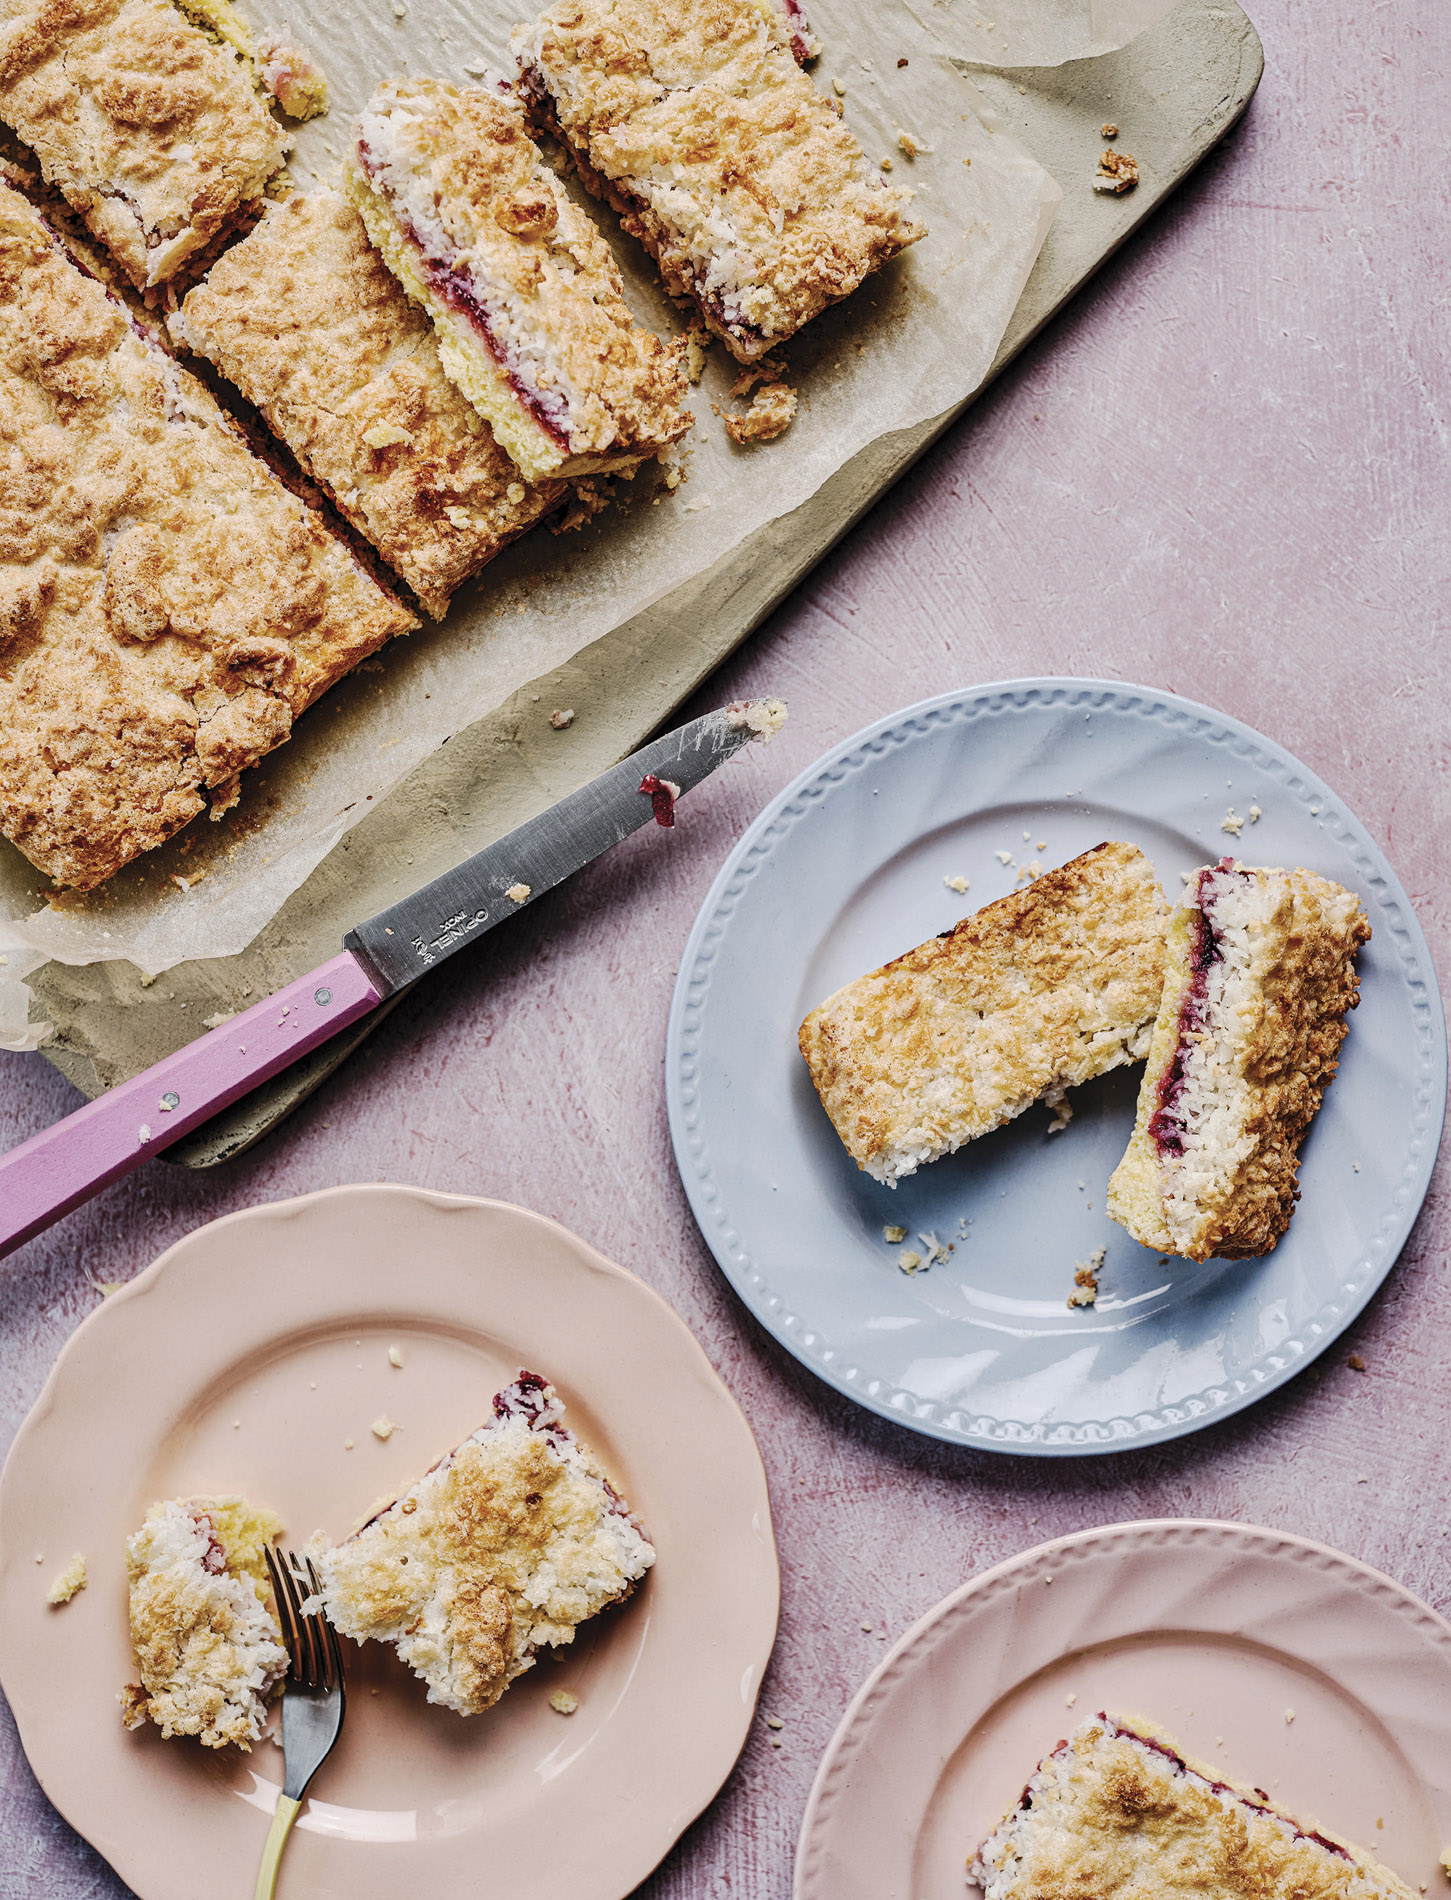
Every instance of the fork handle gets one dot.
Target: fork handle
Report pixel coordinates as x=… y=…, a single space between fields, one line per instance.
x=287 y=1812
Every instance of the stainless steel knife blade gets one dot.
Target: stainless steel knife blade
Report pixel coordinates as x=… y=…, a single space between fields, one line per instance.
x=400 y=943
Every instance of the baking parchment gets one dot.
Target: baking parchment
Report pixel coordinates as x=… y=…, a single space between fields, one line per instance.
x=915 y=340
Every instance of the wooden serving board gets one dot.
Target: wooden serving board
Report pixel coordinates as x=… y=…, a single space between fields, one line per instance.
x=1176 y=90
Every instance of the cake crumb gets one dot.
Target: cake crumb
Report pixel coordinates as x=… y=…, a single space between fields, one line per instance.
x=774 y=1721
x=886 y=165
x=894 y=1236
x=395 y=1356
x=518 y=893
x=1057 y=1100
x=1117 y=172
x=1232 y=824
x=1068 y=1701
x=697 y=341
x=1355 y=1362
x=900 y=64
x=383 y=1427
x=293 y=77
x=217 y=1018
x=1289 y=1717
x=562 y=718
x=866 y=1627
x=838 y=86
x=772 y=410
x=1003 y=857
x=563 y=1702
x=71 y=1579
x=911 y=144
x=1085 y=1278
x=347 y=1444
x=909 y=1260
x=1255 y=814
x=1108 y=130
x=958 y=883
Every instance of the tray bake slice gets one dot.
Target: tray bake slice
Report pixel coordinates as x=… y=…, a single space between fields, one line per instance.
x=1036 y=993
x=1259 y=978
x=204 y=1630
x=150 y=127
x=1117 y=1813
x=524 y=293
x=694 y=121
x=167 y=606
x=506 y=1546
x=309 y=323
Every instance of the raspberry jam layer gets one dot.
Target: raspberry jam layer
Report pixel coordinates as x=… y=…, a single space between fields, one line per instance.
x=454 y=287
x=1166 y=1126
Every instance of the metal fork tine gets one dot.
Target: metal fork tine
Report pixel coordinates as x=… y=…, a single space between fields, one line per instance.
x=316 y=1678
x=284 y=1603
x=299 y=1635
x=332 y=1652
x=305 y=1659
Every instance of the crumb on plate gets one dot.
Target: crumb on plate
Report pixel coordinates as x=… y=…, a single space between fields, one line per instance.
x=70 y=1580
x=1085 y=1278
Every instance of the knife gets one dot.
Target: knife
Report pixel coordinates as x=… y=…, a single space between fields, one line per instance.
x=64 y=1165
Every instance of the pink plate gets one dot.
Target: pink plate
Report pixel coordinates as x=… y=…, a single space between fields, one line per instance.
x=254 y=1357
x=1288 y=1666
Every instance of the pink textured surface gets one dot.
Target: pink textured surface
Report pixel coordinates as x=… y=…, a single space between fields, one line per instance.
x=1225 y=471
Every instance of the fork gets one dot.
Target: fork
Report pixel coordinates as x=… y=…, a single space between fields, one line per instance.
x=312 y=1701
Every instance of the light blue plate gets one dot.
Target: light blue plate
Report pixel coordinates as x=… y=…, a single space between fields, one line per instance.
x=845 y=870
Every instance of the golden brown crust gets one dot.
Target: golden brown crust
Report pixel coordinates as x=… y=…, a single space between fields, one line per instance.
x=1043 y=989
x=1114 y=1817
x=544 y=274
x=506 y=1545
x=167 y=608
x=1308 y=991
x=150 y=128
x=692 y=118
x=204 y=1630
x=307 y=321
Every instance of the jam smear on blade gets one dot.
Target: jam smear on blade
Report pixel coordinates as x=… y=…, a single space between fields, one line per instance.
x=662 y=796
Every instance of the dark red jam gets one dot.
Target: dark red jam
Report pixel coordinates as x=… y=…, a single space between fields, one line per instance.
x=1165 y=1125
x=662 y=798
x=458 y=294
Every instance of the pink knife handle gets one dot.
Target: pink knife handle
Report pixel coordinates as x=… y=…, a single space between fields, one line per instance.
x=64 y=1165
